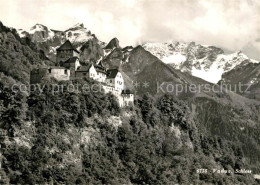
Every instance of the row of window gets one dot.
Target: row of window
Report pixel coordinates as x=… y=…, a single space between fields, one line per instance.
x=102 y=74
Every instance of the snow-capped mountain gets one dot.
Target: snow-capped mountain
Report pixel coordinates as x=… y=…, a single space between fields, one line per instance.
x=206 y=62
x=78 y=34
x=38 y=32
x=48 y=39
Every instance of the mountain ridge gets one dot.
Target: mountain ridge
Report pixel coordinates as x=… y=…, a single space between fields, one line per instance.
x=206 y=62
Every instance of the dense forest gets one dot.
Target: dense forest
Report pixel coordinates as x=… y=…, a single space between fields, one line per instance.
x=85 y=138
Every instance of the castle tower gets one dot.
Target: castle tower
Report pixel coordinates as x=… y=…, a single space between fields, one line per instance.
x=66 y=51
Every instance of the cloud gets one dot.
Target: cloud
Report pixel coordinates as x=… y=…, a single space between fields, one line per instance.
x=234 y=24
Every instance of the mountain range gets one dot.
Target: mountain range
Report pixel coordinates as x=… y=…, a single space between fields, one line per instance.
x=206 y=62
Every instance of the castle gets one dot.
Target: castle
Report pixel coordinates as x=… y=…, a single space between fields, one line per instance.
x=70 y=68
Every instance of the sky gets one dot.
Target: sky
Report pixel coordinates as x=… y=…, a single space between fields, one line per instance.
x=230 y=24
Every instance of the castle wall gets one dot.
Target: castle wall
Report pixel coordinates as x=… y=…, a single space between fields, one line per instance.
x=123 y=99
x=72 y=67
x=108 y=89
x=40 y=74
x=119 y=82
x=127 y=99
x=92 y=72
x=59 y=73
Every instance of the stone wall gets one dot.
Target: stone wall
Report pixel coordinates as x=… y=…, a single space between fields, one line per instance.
x=128 y=99
x=123 y=99
x=41 y=74
x=59 y=73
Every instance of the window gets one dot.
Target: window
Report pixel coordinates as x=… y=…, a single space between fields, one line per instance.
x=49 y=70
x=110 y=81
x=84 y=74
x=65 y=71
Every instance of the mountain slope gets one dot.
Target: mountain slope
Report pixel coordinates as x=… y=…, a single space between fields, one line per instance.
x=247 y=77
x=17 y=57
x=84 y=138
x=91 y=50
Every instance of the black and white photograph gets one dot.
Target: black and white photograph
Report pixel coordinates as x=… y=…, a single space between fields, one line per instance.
x=129 y=92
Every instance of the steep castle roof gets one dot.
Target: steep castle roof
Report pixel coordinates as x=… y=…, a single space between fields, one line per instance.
x=111 y=73
x=71 y=60
x=84 y=68
x=67 y=46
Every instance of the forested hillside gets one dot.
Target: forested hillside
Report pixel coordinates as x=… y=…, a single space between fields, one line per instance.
x=17 y=56
x=86 y=139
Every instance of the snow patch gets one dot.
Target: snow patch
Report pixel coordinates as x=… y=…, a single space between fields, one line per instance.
x=213 y=74
x=174 y=59
x=21 y=33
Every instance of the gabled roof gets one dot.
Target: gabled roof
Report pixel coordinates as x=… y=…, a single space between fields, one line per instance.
x=111 y=73
x=71 y=60
x=100 y=68
x=67 y=46
x=84 y=68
